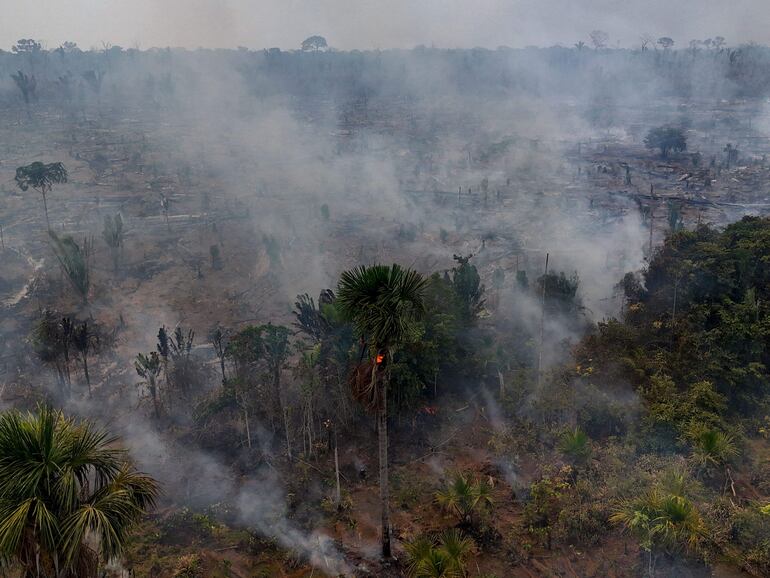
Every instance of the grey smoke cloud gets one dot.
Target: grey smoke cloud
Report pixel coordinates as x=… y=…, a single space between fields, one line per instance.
x=368 y=24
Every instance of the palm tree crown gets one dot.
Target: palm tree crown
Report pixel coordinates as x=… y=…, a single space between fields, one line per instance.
x=383 y=302
x=67 y=499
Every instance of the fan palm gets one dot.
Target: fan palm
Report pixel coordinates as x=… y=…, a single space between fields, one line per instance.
x=712 y=448
x=443 y=556
x=463 y=496
x=661 y=519
x=576 y=444
x=383 y=303
x=67 y=498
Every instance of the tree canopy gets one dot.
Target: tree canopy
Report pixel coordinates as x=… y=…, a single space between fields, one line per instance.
x=68 y=497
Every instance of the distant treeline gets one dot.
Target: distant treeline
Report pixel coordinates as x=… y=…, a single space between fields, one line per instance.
x=577 y=72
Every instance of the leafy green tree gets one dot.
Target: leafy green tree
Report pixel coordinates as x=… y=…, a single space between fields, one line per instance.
x=383 y=303
x=547 y=499
x=666 y=138
x=41 y=177
x=148 y=367
x=561 y=292
x=264 y=348
x=314 y=43
x=470 y=291
x=310 y=319
x=68 y=497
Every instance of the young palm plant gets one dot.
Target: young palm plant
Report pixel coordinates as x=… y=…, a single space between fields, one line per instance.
x=712 y=449
x=68 y=498
x=383 y=303
x=661 y=520
x=576 y=444
x=75 y=261
x=443 y=556
x=464 y=496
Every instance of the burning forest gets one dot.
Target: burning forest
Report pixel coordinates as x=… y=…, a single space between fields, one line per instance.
x=363 y=311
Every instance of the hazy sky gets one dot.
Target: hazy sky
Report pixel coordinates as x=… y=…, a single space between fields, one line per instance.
x=376 y=24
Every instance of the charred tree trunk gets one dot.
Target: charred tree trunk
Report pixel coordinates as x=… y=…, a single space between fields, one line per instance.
x=45 y=208
x=382 y=431
x=85 y=371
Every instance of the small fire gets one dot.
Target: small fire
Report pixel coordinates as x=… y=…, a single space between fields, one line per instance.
x=379 y=358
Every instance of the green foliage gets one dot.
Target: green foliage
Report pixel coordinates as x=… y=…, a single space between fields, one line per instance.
x=576 y=444
x=467 y=285
x=382 y=302
x=441 y=556
x=148 y=367
x=662 y=520
x=712 y=448
x=51 y=338
x=546 y=500
x=63 y=482
x=74 y=261
x=711 y=365
x=666 y=139
x=675 y=219
x=260 y=344
x=466 y=497
x=189 y=566
x=750 y=532
x=185 y=525
x=561 y=292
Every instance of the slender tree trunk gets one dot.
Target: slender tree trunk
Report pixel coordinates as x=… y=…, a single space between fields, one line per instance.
x=154 y=394
x=246 y=423
x=277 y=405
x=542 y=324
x=338 y=495
x=286 y=430
x=382 y=430
x=45 y=208
x=85 y=370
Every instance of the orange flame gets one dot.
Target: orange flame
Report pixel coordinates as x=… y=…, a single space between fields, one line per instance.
x=379 y=358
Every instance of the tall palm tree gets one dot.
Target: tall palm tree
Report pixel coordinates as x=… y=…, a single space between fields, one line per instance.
x=68 y=498
x=383 y=303
x=41 y=177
